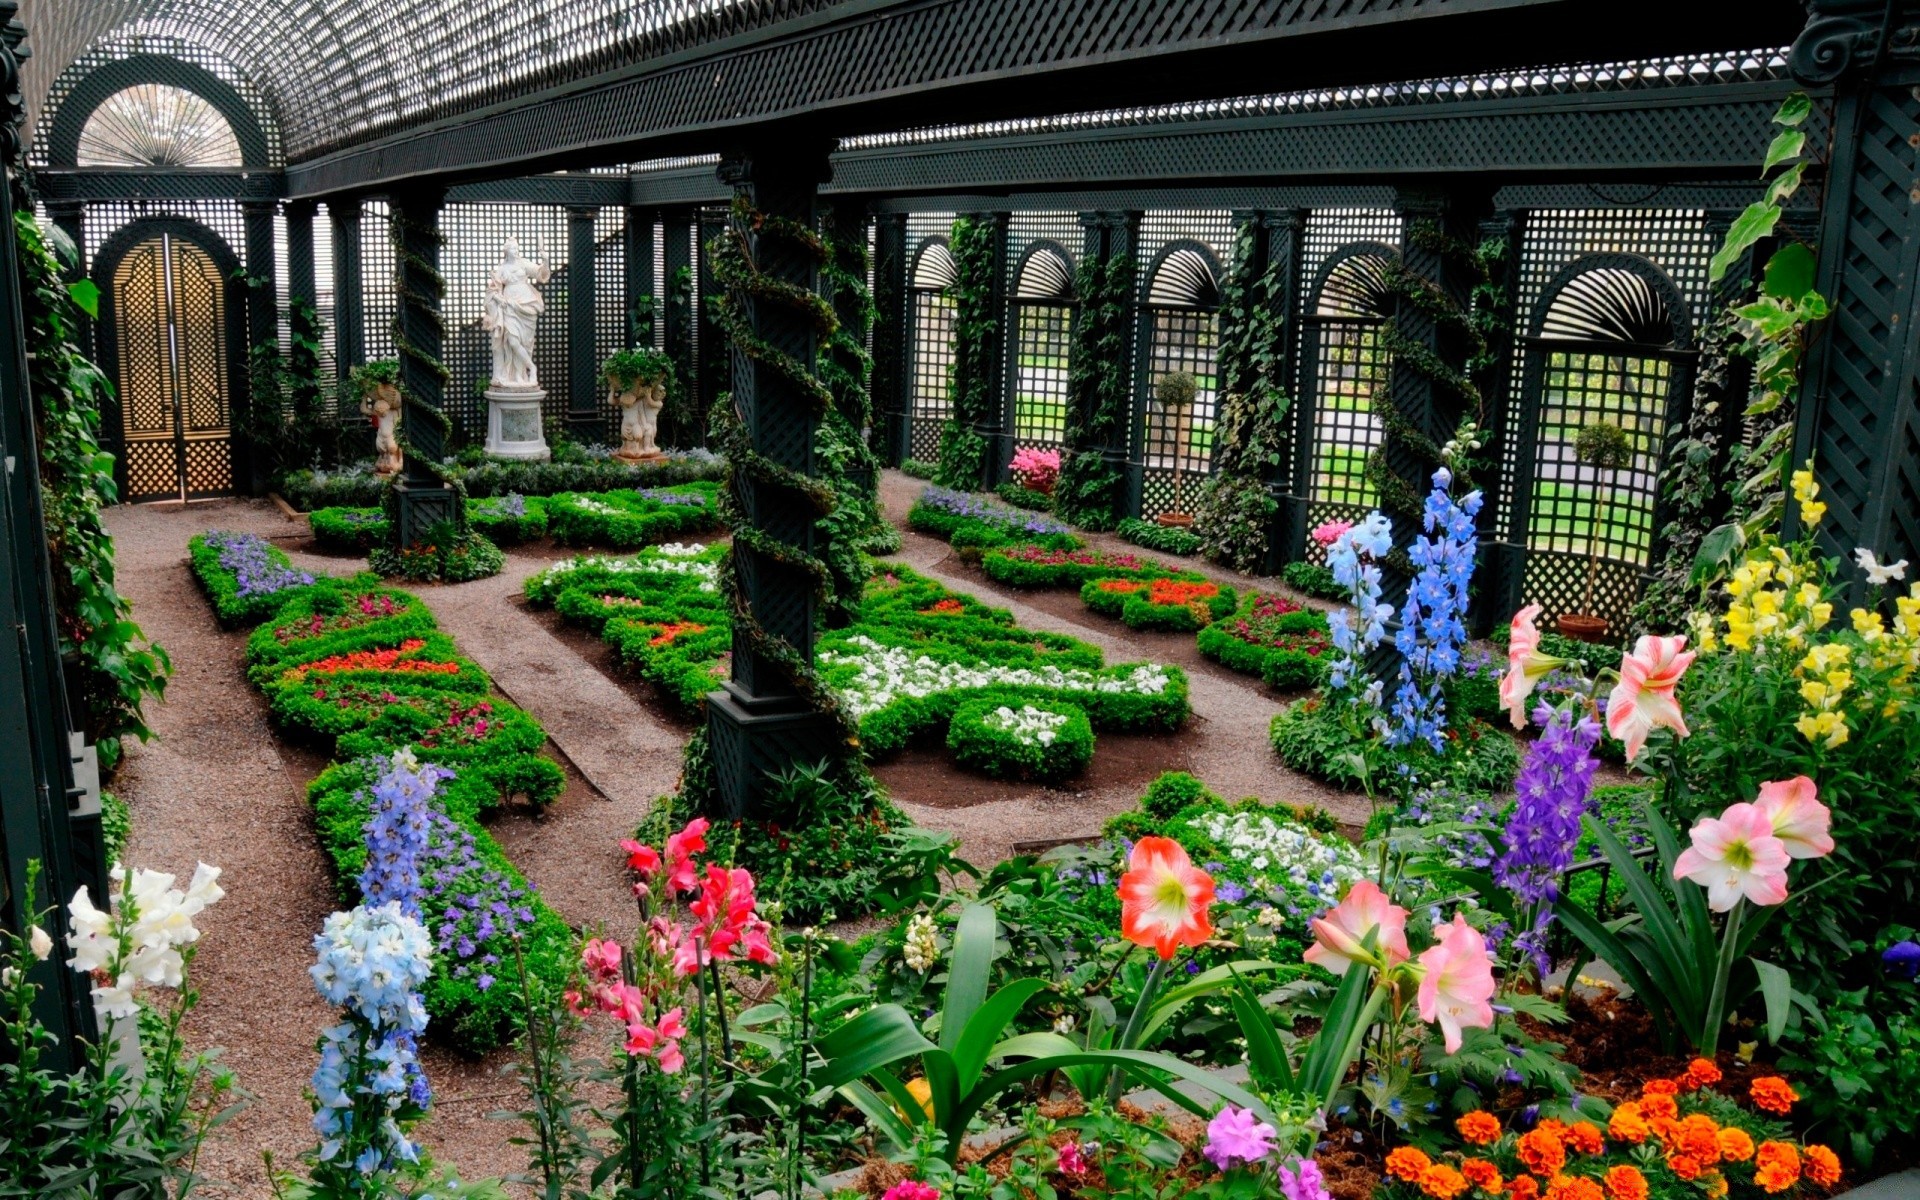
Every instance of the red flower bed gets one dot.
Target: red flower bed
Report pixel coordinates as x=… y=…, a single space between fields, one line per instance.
x=1180 y=591
x=394 y=660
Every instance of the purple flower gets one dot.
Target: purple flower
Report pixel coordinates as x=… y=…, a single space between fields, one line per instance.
x=1902 y=959
x=258 y=568
x=1235 y=1137
x=1229 y=892
x=1301 y=1180
x=1555 y=787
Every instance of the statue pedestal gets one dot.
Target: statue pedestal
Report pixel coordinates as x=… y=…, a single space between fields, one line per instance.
x=639 y=460
x=514 y=424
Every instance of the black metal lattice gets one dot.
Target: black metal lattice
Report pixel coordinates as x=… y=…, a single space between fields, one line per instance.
x=1042 y=346
x=475 y=234
x=929 y=339
x=380 y=301
x=1344 y=367
x=1181 y=324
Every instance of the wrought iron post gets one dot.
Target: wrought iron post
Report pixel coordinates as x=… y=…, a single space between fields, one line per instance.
x=1859 y=418
x=349 y=297
x=419 y=336
x=759 y=723
x=989 y=356
x=586 y=419
x=37 y=791
x=263 y=336
x=638 y=245
x=1279 y=239
x=890 y=334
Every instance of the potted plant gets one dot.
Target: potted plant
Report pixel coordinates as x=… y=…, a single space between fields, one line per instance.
x=1175 y=392
x=1605 y=447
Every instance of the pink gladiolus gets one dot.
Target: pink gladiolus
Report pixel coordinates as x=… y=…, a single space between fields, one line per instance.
x=1643 y=700
x=1735 y=856
x=1457 y=989
x=682 y=875
x=1526 y=666
x=1340 y=934
x=1328 y=532
x=1800 y=821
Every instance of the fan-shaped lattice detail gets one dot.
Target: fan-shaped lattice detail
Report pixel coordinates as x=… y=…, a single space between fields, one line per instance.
x=1184 y=279
x=1046 y=275
x=1356 y=286
x=1610 y=304
x=933 y=269
x=157 y=125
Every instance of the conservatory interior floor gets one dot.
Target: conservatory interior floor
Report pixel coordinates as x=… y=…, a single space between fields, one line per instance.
x=216 y=784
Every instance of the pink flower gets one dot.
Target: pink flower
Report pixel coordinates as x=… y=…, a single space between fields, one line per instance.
x=1525 y=665
x=1073 y=1159
x=1457 y=989
x=911 y=1189
x=644 y=859
x=1164 y=898
x=1328 y=532
x=1643 y=700
x=1800 y=821
x=1237 y=1138
x=1340 y=934
x=682 y=876
x=1736 y=856
x=601 y=958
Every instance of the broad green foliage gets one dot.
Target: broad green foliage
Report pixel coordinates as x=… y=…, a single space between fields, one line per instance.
x=1235 y=514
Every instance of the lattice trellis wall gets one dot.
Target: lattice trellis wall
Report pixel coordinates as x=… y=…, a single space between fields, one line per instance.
x=930 y=315
x=474 y=236
x=379 y=300
x=1177 y=338
x=123 y=46
x=1040 y=316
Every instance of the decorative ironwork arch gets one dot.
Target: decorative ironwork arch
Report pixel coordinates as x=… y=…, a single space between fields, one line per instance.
x=933 y=266
x=1620 y=298
x=100 y=83
x=1185 y=274
x=1045 y=273
x=1342 y=365
x=1040 y=350
x=929 y=346
x=214 y=460
x=1352 y=284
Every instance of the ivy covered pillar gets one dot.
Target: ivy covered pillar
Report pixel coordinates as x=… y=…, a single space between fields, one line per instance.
x=303 y=318
x=586 y=419
x=421 y=493
x=263 y=342
x=70 y=218
x=637 y=245
x=770 y=716
x=349 y=296
x=713 y=360
x=890 y=335
x=676 y=286
x=1258 y=307
x=1503 y=554
x=1093 y=473
x=976 y=443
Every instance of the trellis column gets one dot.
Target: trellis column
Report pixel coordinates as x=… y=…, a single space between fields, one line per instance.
x=638 y=244
x=419 y=336
x=989 y=354
x=759 y=723
x=349 y=297
x=585 y=418
x=1278 y=242
x=675 y=306
x=263 y=328
x=1106 y=236
x=1859 y=417
x=70 y=218
x=712 y=356
x=1502 y=559
x=890 y=334
x=303 y=298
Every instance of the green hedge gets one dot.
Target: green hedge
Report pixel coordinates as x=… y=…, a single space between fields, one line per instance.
x=625 y=520
x=460 y=559
x=1313 y=579
x=223 y=589
x=981 y=743
x=359 y=487
x=359 y=530
x=334 y=621
x=1131 y=601
x=1031 y=565
x=1288 y=649
x=1310 y=736
x=1024 y=497
x=1150 y=535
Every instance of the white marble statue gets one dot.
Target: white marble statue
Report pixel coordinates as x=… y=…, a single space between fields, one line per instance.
x=513 y=307
x=639 y=402
x=381 y=402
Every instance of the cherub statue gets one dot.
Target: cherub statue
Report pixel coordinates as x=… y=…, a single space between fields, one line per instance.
x=381 y=403
x=640 y=403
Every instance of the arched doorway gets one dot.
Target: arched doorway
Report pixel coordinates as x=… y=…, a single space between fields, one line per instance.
x=1180 y=330
x=1042 y=327
x=930 y=348
x=1343 y=365
x=173 y=346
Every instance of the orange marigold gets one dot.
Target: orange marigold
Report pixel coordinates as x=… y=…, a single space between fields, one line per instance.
x=1822 y=1165
x=1542 y=1151
x=1627 y=1124
x=1774 y=1094
x=1698 y=1137
x=1659 y=1107
x=1408 y=1163
x=1716 y=1186
x=1776 y=1166
x=1483 y=1175
x=1574 y=1187
x=1735 y=1145
x=1660 y=1087
x=1442 y=1182
x=1684 y=1165
x=1626 y=1183
x=1523 y=1187
x=1479 y=1127
x=1699 y=1073
x=1584 y=1137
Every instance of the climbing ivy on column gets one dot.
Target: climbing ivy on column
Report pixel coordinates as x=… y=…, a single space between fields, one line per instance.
x=1092 y=487
x=976 y=327
x=841 y=442
x=1236 y=509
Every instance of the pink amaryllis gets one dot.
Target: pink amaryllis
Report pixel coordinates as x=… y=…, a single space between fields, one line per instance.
x=1736 y=856
x=1456 y=989
x=1339 y=935
x=1526 y=666
x=1643 y=700
x=1164 y=898
x=1799 y=820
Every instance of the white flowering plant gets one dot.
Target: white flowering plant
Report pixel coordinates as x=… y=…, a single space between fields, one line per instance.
x=1009 y=740
x=694 y=560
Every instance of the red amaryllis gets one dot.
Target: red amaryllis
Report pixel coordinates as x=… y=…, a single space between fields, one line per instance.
x=1164 y=898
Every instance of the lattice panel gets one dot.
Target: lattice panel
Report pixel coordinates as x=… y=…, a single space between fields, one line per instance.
x=1330 y=229
x=1178 y=340
x=929 y=368
x=475 y=234
x=1577 y=507
x=122 y=46
x=923 y=225
x=1675 y=240
x=209 y=467
x=1557 y=582
x=153 y=469
x=1026 y=228
x=609 y=282
x=104 y=219
x=1211 y=227
x=380 y=300
x=1349 y=367
x=324 y=306
x=1043 y=349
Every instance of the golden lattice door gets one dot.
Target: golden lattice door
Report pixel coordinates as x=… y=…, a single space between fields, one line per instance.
x=169 y=312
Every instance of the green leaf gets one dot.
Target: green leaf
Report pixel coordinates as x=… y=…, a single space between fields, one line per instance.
x=1266 y=1057
x=876 y=1110
x=1785 y=184
x=983 y=1030
x=85 y=295
x=1793 y=110
x=967 y=969
x=1789 y=273
x=1788 y=143
x=882 y=1035
x=1317 y=1069
x=1776 y=988
x=1749 y=227
x=1607 y=946
x=1717 y=549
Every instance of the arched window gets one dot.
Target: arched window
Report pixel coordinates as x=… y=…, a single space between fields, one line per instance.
x=1344 y=366
x=157 y=125
x=930 y=348
x=1609 y=362
x=1043 y=300
x=1182 y=323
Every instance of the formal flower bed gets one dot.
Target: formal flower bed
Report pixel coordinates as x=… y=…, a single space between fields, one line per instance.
x=1174 y=605
x=1035 y=565
x=245 y=576
x=594 y=470
x=623 y=520
x=503 y=520
x=363 y=672
x=1274 y=637
x=968 y=520
x=1047 y=743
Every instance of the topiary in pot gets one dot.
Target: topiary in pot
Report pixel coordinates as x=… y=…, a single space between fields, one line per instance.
x=1605 y=447
x=1175 y=392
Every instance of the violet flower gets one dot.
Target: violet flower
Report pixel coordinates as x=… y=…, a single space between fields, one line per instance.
x=1555 y=788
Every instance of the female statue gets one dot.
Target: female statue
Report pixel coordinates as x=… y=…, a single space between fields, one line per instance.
x=513 y=306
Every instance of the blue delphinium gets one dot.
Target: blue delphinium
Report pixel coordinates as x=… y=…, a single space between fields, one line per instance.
x=1431 y=627
x=370 y=962
x=1354 y=559
x=401 y=800
x=254 y=572
x=1555 y=790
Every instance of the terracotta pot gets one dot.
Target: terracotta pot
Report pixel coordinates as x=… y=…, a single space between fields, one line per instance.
x=1581 y=627
x=1175 y=520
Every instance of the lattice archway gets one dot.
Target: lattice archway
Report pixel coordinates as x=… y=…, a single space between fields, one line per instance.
x=1042 y=346
x=929 y=347
x=1610 y=341
x=149 y=76
x=1343 y=365
x=1180 y=331
x=173 y=342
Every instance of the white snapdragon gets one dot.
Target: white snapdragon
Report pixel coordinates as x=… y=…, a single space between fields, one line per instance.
x=887 y=673
x=921 y=949
x=1029 y=726
x=137 y=939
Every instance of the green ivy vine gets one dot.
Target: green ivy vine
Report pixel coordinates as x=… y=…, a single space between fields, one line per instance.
x=976 y=341
x=841 y=446
x=119 y=667
x=1091 y=490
